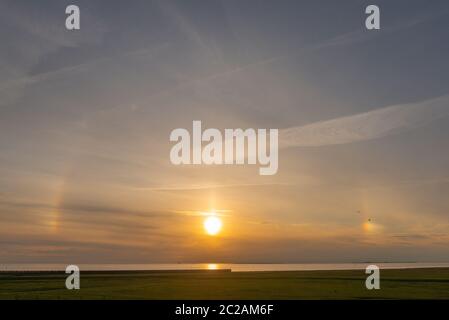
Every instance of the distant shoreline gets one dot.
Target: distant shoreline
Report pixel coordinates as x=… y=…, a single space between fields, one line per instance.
x=111 y=272
x=136 y=268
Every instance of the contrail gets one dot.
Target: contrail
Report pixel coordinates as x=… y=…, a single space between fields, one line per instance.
x=366 y=126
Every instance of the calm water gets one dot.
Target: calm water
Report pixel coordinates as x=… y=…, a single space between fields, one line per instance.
x=213 y=266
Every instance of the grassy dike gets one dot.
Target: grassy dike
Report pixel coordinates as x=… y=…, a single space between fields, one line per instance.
x=395 y=284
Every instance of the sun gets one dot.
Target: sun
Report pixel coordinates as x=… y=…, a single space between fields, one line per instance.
x=212 y=225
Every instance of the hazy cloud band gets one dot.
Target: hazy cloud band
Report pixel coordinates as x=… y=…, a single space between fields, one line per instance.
x=366 y=126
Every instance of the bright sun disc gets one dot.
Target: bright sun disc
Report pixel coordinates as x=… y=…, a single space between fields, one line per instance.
x=212 y=225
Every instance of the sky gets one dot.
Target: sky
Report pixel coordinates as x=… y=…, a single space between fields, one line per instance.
x=86 y=115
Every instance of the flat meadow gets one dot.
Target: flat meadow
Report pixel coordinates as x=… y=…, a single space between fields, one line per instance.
x=222 y=284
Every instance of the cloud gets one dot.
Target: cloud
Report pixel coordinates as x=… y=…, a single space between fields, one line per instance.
x=411 y=236
x=87 y=65
x=348 y=38
x=338 y=40
x=45 y=24
x=173 y=13
x=209 y=186
x=366 y=126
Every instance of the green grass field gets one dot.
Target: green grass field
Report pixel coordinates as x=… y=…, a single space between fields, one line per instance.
x=395 y=284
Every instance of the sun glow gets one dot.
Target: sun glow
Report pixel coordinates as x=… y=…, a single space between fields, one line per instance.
x=212 y=225
x=212 y=266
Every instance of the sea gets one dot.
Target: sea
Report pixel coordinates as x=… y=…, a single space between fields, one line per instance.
x=234 y=267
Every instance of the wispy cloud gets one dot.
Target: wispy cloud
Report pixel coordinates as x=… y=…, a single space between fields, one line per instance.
x=366 y=126
x=183 y=23
x=348 y=38
x=206 y=186
x=338 y=40
x=87 y=65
